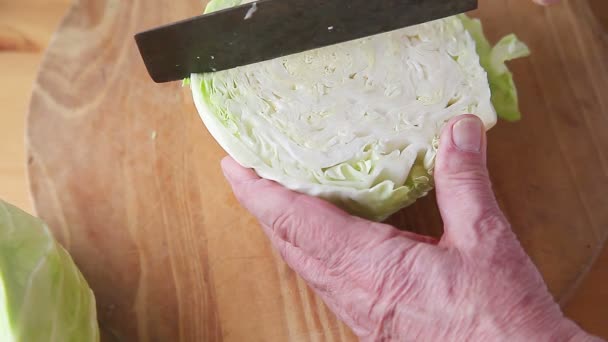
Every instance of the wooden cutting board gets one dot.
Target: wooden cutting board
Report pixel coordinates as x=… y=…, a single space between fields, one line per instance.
x=128 y=178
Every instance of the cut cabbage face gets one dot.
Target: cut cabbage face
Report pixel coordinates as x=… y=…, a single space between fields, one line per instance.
x=356 y=123
x=43 y=296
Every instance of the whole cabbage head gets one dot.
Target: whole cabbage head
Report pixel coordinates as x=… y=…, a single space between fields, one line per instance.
x=43 y=295
x=357 y=123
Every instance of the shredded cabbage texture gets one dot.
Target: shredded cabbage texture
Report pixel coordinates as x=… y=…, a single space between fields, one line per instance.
x=357 y=123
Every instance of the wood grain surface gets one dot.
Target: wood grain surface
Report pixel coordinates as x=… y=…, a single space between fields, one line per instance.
x=30 y=21
x=128 y=178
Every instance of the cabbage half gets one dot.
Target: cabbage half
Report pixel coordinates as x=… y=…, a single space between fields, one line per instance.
x=358 y=123
x=43 y=296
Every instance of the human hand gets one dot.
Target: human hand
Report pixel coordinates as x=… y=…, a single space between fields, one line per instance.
x=476 y=283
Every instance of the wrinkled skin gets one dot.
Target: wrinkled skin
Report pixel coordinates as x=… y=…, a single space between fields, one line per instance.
x=475 y=284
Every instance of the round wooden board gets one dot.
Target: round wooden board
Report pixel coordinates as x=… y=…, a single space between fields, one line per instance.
x=128 y=178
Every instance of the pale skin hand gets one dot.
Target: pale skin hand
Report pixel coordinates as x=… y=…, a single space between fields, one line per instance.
x=475 y=284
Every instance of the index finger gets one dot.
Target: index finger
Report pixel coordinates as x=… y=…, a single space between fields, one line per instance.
x=319 y=228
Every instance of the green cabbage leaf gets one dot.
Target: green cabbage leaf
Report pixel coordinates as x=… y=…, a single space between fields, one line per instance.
x=43 y=295
x=492 y=59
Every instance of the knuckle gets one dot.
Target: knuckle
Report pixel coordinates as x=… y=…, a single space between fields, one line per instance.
x=287 y=223
x=339 y=261
x=470 y=172
x=498 y=242
x=282 y=224
x=469 y=179
x=489 y=228
x=493 y=221
x=457 y=162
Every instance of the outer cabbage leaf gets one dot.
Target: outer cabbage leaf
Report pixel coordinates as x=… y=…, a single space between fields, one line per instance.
x=43 y=295
x=504 y=92
x=356 y=123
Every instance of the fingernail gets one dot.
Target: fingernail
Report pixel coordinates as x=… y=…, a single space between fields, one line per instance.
x=466 y=134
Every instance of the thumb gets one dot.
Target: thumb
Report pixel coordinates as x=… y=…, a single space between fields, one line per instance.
x=464 y=193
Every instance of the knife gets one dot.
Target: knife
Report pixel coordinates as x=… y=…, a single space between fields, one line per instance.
x=269 y=29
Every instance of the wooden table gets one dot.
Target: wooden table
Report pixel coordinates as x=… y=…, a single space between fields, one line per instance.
x=25 y=30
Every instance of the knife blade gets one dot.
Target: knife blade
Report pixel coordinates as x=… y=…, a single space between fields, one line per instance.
x=269 y=29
